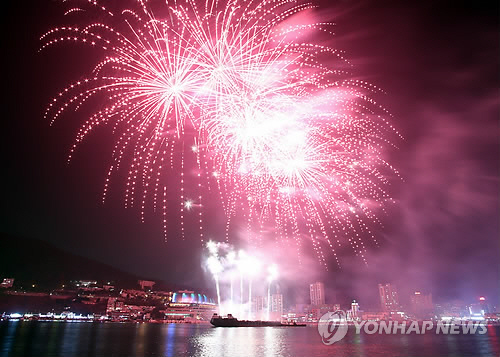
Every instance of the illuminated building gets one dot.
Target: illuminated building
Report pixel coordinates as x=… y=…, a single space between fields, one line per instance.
x=146 y=284
x=454 y=309
x=421 y=304
x=389 y=299
x=111 y=305
x=133 y=294
x=117 y=310
x=187 y=306
x=374 y=315
x=354 y=310
x=317 y=293
x=276 y=307
x=259 y=307
x=85 y=283
x=480 y=308
x=316 y=311
x=484 y=305
x=7 y=283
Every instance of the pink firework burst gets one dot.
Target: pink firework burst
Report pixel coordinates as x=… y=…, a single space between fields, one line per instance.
x=288 y=141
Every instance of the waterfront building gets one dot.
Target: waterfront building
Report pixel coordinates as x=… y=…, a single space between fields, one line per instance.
x=389 y=297
x=317 y=293
x=316 y=311
x=354 y=310
x=421 y=304
x=190 y=312
x=85 y=283
x=277 y=303
x=259 y=306
x=485 y=308
x=276 y=310
x=7 y=283
x=187 y=306
x=374 y=315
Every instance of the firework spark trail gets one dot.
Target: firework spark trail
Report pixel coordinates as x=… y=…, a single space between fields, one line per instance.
x=290 y=142
x=223 y=263
x=273 y=273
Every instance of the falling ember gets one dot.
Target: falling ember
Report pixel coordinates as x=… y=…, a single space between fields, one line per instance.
x=232 y=89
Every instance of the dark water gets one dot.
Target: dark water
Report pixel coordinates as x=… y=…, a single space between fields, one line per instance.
x=115 y=339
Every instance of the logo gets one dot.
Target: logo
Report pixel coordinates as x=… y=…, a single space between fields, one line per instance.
x=332 y=327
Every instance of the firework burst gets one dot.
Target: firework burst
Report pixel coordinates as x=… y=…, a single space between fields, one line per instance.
x=287 y=140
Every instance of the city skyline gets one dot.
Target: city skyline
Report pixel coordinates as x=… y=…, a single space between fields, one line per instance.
x=109 y=301
x=441 y=233
x=370 y=295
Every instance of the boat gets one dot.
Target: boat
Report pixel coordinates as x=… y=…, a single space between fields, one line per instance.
x=231 y=321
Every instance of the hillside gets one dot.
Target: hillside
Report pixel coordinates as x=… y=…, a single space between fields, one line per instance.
x=32 y=261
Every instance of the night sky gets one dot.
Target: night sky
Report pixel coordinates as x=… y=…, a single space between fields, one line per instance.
x=438 y=63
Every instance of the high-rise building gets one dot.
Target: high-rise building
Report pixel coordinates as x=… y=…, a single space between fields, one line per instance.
x=485 y=308
x=277 y=304
x=389 y=299
x=354 y=309
x=259 y=307
x=480 y=308
x=317 y=292
x=421 y=304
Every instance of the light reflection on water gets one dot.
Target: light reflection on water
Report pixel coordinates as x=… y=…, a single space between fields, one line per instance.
x=172 y=340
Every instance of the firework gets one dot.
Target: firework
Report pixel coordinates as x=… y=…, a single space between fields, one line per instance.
x=223 y=264
x=264 y=115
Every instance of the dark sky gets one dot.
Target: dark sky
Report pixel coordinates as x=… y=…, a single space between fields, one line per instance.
x=438 y=63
